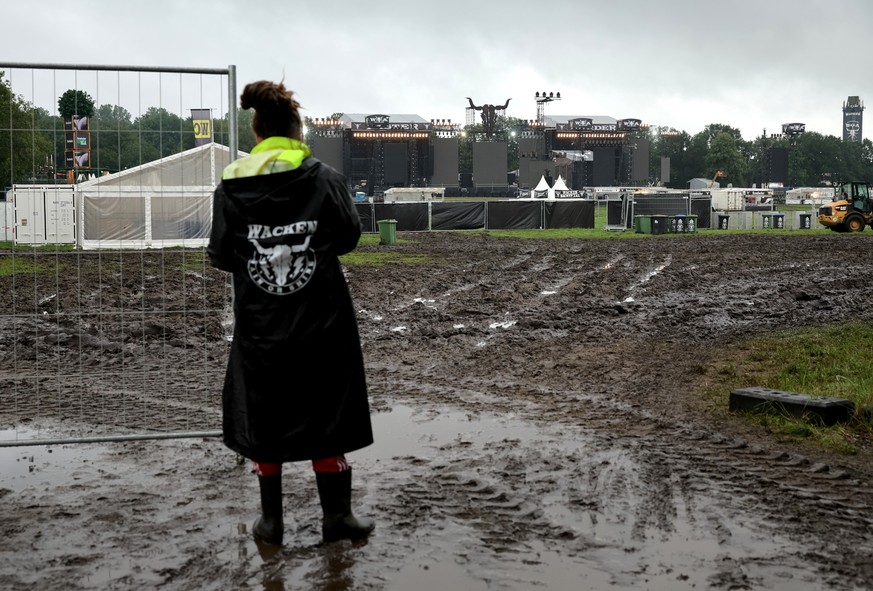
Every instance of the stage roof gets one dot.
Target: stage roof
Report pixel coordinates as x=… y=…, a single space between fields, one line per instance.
x=349 y=118
x=552 y=120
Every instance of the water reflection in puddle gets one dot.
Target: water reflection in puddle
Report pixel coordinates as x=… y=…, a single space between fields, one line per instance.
x=23 y=465
x=687 y=555
x=422 y=433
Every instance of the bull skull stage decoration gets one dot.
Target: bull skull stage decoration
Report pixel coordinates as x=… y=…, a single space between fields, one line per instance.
x=489 y=115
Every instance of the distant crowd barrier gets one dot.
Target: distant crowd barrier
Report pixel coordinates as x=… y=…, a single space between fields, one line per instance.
x=532 y=214
x=516 y=214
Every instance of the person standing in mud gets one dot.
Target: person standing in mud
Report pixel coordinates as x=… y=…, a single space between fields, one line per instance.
x=295 y=387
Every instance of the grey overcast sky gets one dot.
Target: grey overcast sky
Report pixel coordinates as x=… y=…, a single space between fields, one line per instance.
x=751 y=64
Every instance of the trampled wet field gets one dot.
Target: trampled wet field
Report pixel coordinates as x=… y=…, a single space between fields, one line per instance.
x=536 y=428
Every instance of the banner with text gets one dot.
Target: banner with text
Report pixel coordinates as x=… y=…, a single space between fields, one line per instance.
x=202 y=119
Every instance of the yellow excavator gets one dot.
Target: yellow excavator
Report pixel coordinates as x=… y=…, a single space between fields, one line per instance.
x=718 y=175
x=851 y=211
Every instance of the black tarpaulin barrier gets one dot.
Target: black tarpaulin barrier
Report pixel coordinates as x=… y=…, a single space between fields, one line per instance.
x=520 y=214
x=365 y=212
x=457 y=216
x=671 y=204
x=702 y=208
x=514 y=215
x=411 y=217
x=660 y=204
x=614 y=211
x=568 y=214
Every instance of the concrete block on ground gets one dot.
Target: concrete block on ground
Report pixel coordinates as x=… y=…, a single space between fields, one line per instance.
x=828 y=411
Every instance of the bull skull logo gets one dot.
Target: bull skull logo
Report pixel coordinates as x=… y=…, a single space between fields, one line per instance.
x=282 y=269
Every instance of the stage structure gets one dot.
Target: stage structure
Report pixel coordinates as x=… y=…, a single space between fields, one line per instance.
x=77 y=146
x=325 y=138
x=489 y=150
x=533 y=159
x=445 y=156
x=542 y=99
x=793 y=131
x=586 y=151
x=853 y=117
x=377 y=152
x=774 y=161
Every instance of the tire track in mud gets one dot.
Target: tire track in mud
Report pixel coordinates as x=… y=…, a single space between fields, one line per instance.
x=842 y=491
x=638 y=477
x=519 y=292
x=490 y=502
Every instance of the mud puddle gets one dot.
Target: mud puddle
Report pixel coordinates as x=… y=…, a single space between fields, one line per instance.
x=462 y=500
x=467 y=501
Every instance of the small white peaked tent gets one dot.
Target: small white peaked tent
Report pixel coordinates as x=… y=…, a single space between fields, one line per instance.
x=559 y=187
x=542 y=190
x=160 y=204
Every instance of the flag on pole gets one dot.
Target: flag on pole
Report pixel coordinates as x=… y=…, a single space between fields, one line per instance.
x=202 y=126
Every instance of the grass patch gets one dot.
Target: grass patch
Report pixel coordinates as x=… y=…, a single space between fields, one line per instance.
x=826 y=361
x=17 y=265
x=194 y=261
x=578 y=234
x=382 y=258
x=9 y=245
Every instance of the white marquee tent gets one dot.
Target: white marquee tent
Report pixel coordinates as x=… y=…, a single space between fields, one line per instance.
x=164 y=203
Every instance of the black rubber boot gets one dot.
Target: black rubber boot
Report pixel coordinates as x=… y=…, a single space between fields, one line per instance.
x=269 y=527
x=335 y=492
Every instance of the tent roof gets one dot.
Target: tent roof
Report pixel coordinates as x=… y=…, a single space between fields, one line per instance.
x=200 y=166
x=542 y=185
x=560 y=185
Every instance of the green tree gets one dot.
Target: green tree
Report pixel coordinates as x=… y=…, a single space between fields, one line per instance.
x=725 y=154
x=245 y=134
x=867 y=160
x=672 y=144
x=713 y=129
x=114 y=140
x=160 y=133
x=694 y=162
x=512 y=127
x=817 y=159
x=25 y=148
x=75 y=102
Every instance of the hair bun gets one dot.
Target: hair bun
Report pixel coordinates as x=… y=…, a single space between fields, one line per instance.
x=276 y=110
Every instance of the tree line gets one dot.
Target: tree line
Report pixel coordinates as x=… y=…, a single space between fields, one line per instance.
x=814 y=160
x=32 y=140
x=32 y=144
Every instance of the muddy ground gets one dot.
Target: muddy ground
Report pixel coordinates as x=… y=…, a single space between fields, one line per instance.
x=535 y=408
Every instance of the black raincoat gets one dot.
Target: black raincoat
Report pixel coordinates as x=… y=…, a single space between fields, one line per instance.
x=295 y=386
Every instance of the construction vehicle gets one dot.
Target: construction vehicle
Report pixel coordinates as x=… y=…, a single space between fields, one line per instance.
x=852 y=210
x=718 y=174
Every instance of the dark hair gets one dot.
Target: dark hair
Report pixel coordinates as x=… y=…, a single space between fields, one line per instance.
x=276 y=110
